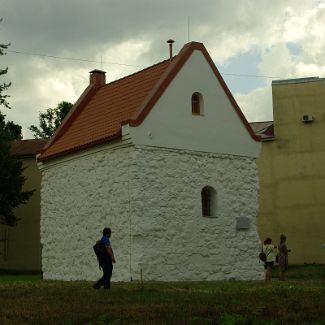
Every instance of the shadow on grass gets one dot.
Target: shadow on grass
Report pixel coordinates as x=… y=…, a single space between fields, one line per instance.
x=20 y=275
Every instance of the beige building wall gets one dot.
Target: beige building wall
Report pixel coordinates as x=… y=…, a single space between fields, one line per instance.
x=292 y=171
x=20 y=248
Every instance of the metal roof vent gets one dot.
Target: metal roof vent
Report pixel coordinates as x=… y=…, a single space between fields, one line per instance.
x=170 y=42
x=307 y=118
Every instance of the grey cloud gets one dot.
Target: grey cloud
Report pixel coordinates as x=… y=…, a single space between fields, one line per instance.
x=75 y=24
x=80 y=26
x=86 y=29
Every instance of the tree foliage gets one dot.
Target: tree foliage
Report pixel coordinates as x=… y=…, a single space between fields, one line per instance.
x=50 y=120
x=11 y=169
x=9 y=130
x=3 y=86
x=11 y=184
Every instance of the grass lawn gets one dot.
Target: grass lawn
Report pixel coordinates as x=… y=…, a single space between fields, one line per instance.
x=27 y=299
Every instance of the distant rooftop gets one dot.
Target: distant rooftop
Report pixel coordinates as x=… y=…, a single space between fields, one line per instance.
x=27 y=148
x=265 y=130
x=296 y=80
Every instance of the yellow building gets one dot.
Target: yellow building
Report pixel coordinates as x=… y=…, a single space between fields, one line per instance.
x=20 y=247
x=292 y=169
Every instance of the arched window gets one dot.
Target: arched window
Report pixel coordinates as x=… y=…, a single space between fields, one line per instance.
x=197 y=104
x=209 y=201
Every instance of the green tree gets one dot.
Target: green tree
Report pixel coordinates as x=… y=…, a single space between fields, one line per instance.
x=11 y=184
x=4 y=86
x=50 y=120
x=9 y=130
x=11 y=169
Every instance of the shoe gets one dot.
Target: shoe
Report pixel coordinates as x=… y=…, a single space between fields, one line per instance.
x=96 y=286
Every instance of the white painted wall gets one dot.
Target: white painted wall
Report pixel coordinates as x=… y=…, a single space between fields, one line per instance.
x=151 y=199
x=170 y=238
x=79 y=197
x=170 y=123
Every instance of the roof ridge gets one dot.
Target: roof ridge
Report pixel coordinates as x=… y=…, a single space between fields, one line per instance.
x=137 y=72
x=20 y=140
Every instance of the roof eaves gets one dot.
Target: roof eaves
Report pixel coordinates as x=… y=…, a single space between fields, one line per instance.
x=43 y=157
x=267 y=138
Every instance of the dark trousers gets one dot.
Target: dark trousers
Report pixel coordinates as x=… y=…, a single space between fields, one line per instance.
x=105 y=280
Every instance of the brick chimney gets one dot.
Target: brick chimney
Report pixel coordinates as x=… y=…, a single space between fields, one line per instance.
x=97 y=77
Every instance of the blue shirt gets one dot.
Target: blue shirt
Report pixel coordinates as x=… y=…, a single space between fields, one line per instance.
x=105 y=240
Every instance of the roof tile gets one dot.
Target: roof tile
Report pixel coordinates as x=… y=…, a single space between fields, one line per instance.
x=112 y=104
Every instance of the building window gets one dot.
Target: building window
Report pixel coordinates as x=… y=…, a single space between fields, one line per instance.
x=197 y=104
x=209 y=201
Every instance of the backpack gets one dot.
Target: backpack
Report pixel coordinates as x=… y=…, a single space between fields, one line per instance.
x=100 y=251
x=262 y=256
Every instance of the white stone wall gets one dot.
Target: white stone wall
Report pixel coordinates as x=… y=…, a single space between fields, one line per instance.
x=79 y=197
x=170 y=238
x=152 y=200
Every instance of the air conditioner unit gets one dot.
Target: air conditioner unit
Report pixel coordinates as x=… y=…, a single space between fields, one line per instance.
x=307 y=118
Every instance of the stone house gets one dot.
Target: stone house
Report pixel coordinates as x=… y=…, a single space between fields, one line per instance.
x=164 y=157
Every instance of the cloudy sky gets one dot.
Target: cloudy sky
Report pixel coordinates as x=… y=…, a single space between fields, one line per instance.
x=55 y=43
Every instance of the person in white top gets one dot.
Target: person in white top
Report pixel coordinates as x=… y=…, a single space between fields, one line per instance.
x=270 y=251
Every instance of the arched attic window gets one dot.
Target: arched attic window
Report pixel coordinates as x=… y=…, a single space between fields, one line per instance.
x=197 y=104
x=209 y=201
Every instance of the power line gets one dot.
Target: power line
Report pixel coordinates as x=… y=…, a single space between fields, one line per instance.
x=72 y=59
x=128 y=65
x=250 y=75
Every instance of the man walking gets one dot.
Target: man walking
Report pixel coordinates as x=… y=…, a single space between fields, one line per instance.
x=106 y=262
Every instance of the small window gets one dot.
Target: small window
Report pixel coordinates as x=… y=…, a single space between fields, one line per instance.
x=209 y=201
x=197 y=104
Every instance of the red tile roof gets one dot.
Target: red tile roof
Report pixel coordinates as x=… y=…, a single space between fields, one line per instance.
x=27 y=148
x=99 y=113
x=109 y=107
